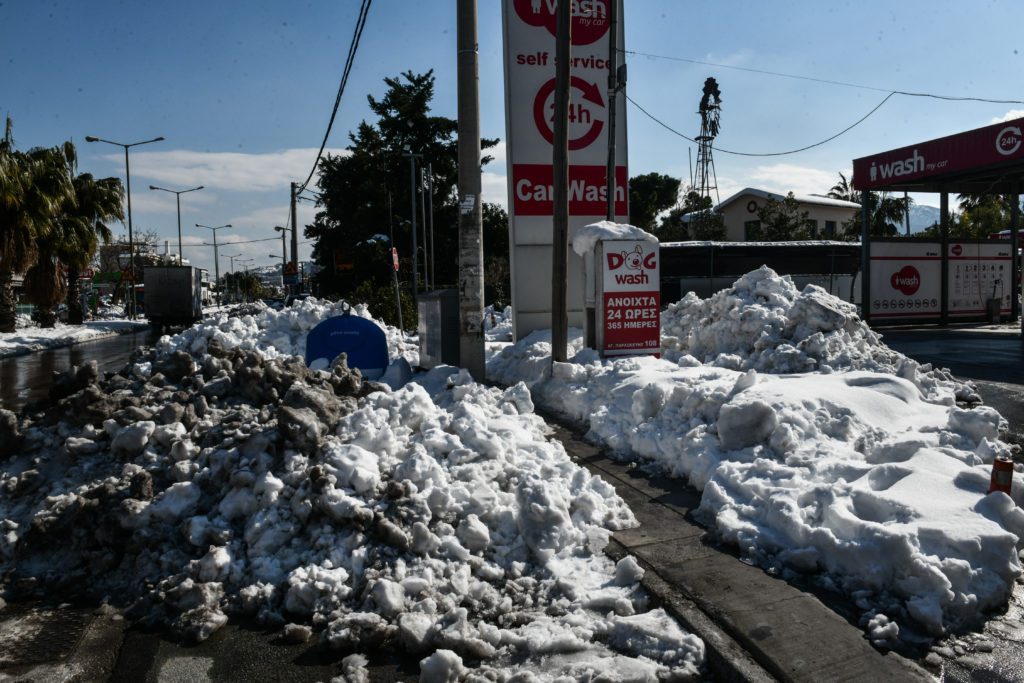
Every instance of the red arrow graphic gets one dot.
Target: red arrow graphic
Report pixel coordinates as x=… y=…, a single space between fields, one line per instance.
x=591 y=93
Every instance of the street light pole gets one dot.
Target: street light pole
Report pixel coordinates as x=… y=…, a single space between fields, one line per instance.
x=284 y=256
x=412 y=211
x=216 y=259
x=128 y=187
x=177 y=196
x=234 y=281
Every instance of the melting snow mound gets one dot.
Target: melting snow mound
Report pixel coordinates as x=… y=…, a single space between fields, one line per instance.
x=220 y=475
x=819 y=450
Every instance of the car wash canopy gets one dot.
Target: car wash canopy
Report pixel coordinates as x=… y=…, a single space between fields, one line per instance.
x=938 y=281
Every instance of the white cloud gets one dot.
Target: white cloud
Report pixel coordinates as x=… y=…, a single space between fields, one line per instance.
x=1009 y=116
x=241 y=172
x=494 y=188
x=145 y=200
x=783 y=178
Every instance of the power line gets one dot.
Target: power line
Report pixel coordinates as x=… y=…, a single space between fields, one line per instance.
x=761 y=154
x=353 y=46
x=225 y=244
x=822 y=80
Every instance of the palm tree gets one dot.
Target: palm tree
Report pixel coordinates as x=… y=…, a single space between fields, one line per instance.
x=34 y=185
x=844 y=190
x=97 y=201
x=886 y=212
x=72 y=242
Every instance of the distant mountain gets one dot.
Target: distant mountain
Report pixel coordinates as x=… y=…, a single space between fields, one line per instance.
x=922 y=217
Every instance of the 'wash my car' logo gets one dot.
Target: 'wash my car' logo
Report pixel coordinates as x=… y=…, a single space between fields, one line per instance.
x=589 y=17
x=906 y=279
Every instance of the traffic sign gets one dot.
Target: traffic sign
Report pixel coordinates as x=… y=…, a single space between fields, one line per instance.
x=394 y=258
x=290 y=269
x=362 y=340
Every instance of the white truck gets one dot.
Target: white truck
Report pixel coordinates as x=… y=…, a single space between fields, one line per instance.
x=173 y=295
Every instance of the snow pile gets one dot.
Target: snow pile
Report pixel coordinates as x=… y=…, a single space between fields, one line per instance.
x=498 y=324
x=584 y=238
x=872 y=480
x=764 y=323
x=277 y=334
x=226 y=480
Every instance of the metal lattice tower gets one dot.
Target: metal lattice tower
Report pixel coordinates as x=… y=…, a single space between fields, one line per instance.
x=706 y=181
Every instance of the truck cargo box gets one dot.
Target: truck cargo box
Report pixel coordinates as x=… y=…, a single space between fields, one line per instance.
x=173 y=295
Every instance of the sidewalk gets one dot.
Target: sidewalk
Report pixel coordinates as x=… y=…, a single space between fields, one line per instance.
x=755 y=627
x=31 y=339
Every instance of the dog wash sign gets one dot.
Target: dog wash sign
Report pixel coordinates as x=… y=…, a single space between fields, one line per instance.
x=630 y=315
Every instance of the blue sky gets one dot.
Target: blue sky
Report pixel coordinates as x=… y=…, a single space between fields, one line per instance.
x=242 y=90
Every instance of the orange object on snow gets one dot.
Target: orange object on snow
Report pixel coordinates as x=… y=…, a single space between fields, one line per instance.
x=1002 y=475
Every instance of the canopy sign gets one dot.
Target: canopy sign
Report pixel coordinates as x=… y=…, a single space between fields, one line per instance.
x=979 y=149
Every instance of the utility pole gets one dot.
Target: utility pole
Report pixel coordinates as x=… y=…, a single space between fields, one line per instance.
x=412 y=214
x=430 y=218
x=295 y=234
x=394 y=265
x=560 y=163
x=613 y=87
x=471 y=246
x=427 y=266
x=590 y=324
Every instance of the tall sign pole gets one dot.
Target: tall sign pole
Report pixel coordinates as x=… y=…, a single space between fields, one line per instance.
x=471 y=247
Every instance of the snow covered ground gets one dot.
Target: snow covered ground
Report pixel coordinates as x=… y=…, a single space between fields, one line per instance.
x=818 y=450
x=219 y=475
x=29 y=337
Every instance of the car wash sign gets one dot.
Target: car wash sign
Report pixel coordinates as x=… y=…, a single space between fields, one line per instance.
x=529 y=37
x=630 y=296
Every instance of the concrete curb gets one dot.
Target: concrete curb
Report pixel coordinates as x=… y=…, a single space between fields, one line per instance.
x=755 y=627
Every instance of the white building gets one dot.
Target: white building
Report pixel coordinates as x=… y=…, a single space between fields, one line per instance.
x=825 y=215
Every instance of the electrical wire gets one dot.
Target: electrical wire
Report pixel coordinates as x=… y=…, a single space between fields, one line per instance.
x=353 y=46
x=822 y=80
x=227 y=244
x=761 y=154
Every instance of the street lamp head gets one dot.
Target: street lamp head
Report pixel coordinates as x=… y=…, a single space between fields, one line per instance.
x=154 y=187
x=157 y=139
x=280 y=229
x=91 y=138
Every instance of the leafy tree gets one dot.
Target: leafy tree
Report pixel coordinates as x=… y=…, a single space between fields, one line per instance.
x=497 y=268
x=247 y=285
x=365 y=193
x=649 y=195
x=781 y=221
x=982 y=214
x=692 y=220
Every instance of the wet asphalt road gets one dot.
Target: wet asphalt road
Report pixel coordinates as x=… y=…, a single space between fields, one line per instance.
x=27 y=378
x=994 y=361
